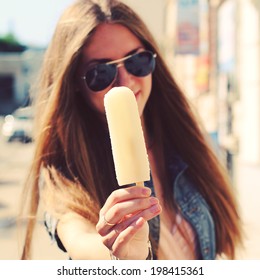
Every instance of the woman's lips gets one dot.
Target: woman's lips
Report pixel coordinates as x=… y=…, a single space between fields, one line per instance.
x=137 y=93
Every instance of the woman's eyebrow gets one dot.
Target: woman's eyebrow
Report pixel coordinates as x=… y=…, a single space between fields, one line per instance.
x=133 y=51
x=104 y=60
x=98 y=60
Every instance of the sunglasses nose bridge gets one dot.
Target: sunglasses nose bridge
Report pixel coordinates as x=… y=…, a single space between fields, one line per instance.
x=123 y=77
x=120 y=64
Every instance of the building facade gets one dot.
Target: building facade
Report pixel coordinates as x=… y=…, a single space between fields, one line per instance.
x=17 y=72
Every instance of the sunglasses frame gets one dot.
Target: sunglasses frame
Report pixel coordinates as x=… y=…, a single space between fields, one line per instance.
x=119 y=63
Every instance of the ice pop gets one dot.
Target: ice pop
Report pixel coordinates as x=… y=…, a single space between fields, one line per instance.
x=127 y=139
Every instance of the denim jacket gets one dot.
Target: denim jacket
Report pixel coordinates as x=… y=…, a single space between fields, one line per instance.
x=192 y=206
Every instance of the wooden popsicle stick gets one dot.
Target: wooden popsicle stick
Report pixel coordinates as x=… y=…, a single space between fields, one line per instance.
x=139 y=184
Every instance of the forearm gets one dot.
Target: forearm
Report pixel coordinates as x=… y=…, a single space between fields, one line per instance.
x=80 y=239
x=88 y=246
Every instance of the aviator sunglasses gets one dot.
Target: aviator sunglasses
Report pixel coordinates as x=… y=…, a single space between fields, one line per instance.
x=102 y=75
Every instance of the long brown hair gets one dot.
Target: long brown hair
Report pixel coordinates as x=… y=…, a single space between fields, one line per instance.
x=72 y=143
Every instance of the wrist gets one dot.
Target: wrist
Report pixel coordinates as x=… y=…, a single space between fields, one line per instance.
x=149 y=256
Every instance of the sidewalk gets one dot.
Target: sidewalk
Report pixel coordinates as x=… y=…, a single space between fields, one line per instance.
x=248 y=187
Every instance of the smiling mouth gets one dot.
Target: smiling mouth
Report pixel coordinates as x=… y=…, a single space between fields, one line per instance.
x=137 y=93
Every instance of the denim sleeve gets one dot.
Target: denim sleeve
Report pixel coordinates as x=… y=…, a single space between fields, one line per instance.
x=50 y=223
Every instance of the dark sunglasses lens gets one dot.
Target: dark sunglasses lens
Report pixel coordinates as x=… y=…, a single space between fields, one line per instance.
x=100 y=76
x=140 y=64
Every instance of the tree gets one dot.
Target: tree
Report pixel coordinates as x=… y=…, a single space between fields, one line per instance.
x=9 y=43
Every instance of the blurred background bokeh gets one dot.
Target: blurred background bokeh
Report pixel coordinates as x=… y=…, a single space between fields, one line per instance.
x=212 y=48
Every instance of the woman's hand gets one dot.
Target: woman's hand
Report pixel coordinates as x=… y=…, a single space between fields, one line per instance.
x=123 y=222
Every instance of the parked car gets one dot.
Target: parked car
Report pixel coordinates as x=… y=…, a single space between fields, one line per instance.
x=19 y=125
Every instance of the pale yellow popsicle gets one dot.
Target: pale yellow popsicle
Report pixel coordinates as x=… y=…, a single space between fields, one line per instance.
x=126 y=134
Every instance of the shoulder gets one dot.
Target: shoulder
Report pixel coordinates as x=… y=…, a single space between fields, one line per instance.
x=186 y=193
x=194 y=207
x=185 y=189
x=196 y=210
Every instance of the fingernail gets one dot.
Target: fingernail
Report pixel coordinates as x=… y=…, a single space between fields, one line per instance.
x=153 y=200
x=155 y=208
x=146 y=191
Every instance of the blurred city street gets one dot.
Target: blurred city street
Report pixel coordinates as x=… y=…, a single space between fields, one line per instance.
x=14 y=163
x=212 y=49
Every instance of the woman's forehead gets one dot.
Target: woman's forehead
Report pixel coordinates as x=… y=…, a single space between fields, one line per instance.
x=110 y=41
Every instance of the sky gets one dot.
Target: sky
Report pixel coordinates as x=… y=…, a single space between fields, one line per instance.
x=32 y=21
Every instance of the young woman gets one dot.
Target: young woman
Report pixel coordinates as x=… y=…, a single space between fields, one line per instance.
x=186 y=211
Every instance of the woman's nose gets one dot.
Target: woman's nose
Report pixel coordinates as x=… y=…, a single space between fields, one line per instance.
x=123 y=77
